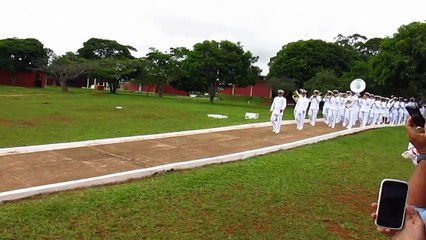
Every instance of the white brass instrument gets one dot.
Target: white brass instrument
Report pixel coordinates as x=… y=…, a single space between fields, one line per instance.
x=358 y=85
x=295 y=95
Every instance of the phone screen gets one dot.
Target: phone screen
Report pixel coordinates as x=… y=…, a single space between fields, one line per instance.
x=416 y=115
x=391 y=207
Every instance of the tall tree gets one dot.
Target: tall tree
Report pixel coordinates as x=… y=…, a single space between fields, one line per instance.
x=303 y=59
x=96 y=48
x=400 y=66
x=163 y=67
x=67 y=67
x=22 y=55
x=112 y=61
x=115 y=70
x=212 y=64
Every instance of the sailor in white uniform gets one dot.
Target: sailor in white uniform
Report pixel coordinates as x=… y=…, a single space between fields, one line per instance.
x=300 y=109
x=314 y=107
x=277 y=111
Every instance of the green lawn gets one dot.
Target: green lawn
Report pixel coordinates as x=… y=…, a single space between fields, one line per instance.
x=320 y=191
x=32 y=116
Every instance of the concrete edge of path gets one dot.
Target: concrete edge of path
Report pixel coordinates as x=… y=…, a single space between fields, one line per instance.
x=58 y=146
x=140 y=173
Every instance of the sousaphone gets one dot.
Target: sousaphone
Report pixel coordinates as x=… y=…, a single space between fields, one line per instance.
x=358 y=85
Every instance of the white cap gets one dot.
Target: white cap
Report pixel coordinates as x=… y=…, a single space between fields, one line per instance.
x=280 y=91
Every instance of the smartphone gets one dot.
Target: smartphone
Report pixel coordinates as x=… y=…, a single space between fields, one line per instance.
x=391 y=204
x=416 y=115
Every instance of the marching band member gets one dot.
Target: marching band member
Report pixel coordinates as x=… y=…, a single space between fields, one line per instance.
x=401 y=111
x=354 y=108
x=300 y=109
x=347 y=104
x=326 y=107
x=314 y=107
x=341 y=112
x=371 y=115
x=365 y=106
x=334 y=107
x=277 y=111
x=395 y=111
x=383 y=110
x=386 y=114
x=375 y=109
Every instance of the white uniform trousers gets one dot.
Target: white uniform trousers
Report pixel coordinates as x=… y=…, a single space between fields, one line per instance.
x=353 y=117
x=276 y=120
x=300 y=119
x=313 y=113
x=333 y=118
x=401 y=115
x=394 y=116
x=364 y=118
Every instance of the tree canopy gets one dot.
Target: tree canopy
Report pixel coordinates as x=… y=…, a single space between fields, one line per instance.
x=22 y=55
x=96 y=48
x=400 y=66
x=301 y=60
x=212 y=64
x=66 y=67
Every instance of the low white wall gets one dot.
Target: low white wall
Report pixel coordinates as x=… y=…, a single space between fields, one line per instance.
x=140 y=173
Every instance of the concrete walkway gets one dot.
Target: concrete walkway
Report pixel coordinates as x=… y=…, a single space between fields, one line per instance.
x=44 y=167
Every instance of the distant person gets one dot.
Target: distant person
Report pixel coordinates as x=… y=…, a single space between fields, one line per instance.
x=277 y=111
x=300 y=109
x=314 y=107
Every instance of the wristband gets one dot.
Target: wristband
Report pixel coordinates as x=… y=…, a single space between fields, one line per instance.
x=420 y=157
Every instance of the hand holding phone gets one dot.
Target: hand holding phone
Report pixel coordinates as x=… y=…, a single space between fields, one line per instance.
x=391 y=204
x=416 y=115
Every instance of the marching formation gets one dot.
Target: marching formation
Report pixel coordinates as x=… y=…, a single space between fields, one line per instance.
x=348 y=108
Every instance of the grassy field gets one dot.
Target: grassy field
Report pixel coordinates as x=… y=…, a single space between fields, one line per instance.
x=320 y=191
x=38 y=116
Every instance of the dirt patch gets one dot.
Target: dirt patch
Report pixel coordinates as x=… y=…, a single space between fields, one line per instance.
x=338 y=230
x=356 y=201
x=5 y=122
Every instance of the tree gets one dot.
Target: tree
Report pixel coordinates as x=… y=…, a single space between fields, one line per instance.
x=163 y=67
x=325 y=80
x=22 y=55
x=96 y=48
x=115 y=70
x=66 y=67
x=303 y=59
x=367 y=47
x=214 y=64
x=400 y=66
x=112 y=62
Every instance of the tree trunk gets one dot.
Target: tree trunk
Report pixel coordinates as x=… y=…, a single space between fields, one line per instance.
x=63 y=83
x=160 y=90
x=14 y=79
x=147 y=90
x=113 y=85
x=212 y=92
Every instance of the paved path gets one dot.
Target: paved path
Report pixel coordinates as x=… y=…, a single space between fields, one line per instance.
x=46 y=167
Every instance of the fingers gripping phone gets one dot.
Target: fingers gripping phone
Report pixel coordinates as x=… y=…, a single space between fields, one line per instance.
x=416 y=115
x=391 y=204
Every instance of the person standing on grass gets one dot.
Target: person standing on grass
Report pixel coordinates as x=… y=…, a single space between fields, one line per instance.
x=277 y=111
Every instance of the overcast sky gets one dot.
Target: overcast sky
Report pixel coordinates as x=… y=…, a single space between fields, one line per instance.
x=262 y=26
